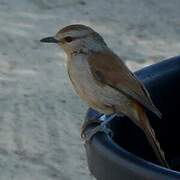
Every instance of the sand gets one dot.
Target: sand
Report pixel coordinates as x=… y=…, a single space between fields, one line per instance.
x=40 y=116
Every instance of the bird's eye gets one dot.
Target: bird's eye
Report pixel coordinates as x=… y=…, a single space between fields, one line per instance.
x=68 y=39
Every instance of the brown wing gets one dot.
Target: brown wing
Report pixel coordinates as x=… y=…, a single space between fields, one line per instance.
x=110 y=70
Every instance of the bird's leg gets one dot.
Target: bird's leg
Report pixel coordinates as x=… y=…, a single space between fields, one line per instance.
x=102 y=127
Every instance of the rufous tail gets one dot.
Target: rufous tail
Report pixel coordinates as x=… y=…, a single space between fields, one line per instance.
x=150 y=134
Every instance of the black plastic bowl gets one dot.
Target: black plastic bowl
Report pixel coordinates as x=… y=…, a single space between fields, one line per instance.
x=128 y=155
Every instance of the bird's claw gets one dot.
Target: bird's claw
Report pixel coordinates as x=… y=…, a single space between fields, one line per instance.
x=100 y=128
x=100 y=125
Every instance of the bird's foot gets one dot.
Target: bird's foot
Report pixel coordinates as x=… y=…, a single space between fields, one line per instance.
x=90 y=122
x=101 y=127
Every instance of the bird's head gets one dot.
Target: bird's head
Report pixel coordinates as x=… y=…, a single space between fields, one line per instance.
x=76 y=38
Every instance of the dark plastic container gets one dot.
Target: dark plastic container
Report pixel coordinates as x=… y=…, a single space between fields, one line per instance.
x=128 y=155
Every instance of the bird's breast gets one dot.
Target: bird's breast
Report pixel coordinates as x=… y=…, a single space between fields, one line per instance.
x=96 y=95
x=81 y=77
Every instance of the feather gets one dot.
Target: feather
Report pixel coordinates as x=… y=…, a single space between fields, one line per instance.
x=108 y=69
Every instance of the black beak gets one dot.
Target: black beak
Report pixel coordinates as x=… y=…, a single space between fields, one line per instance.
x=49 y=40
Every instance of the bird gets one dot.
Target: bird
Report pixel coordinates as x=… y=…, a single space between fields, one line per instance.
x=102 y=79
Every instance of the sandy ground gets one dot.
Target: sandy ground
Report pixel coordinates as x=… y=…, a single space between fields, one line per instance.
x=40 y=116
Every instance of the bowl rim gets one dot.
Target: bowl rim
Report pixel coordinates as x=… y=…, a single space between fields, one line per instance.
x=106 y=144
